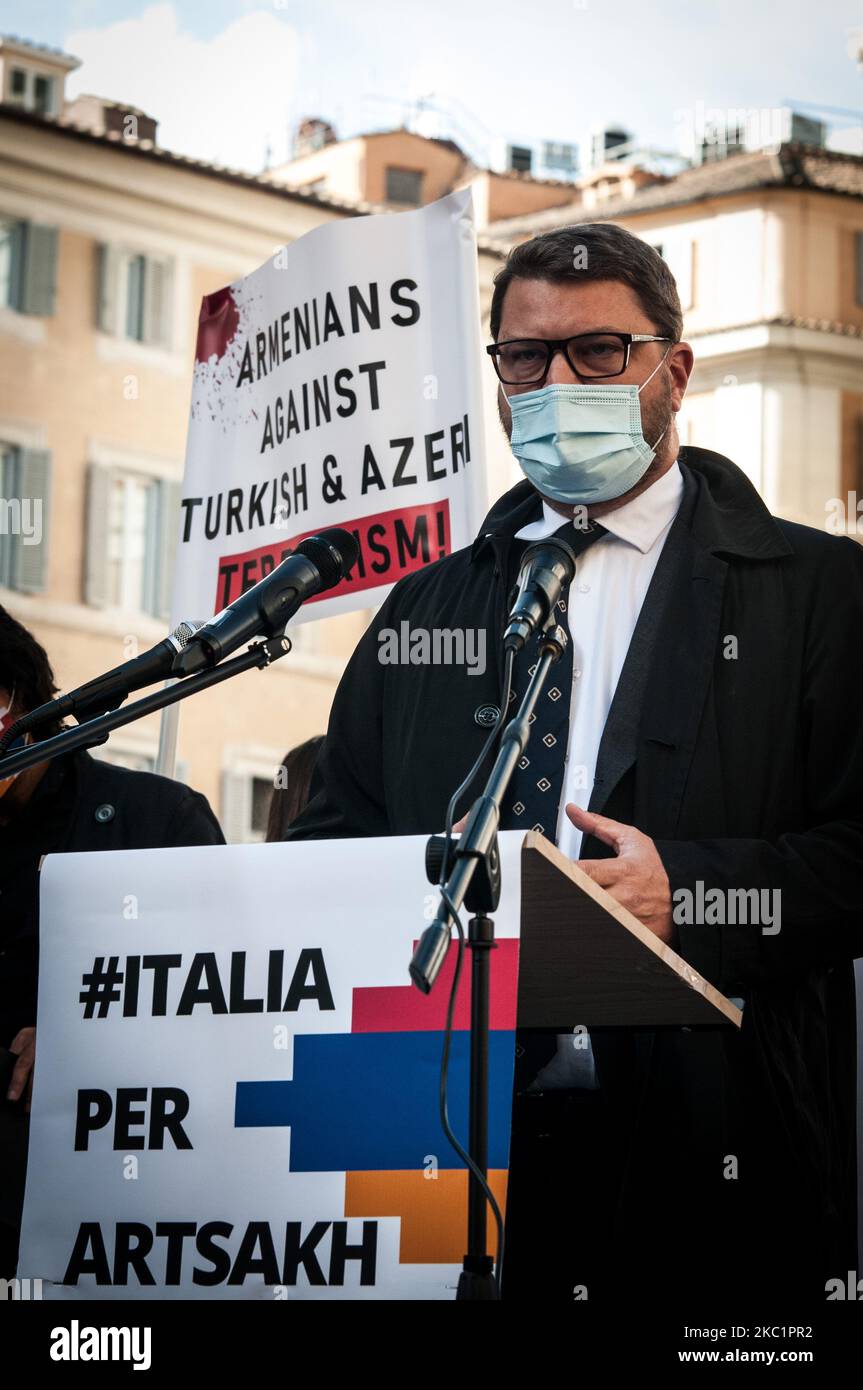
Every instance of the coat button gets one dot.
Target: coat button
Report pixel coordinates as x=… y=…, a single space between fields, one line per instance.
x=104 y=813
x=486 y=716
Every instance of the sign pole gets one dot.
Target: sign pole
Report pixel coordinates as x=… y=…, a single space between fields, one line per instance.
x=166 y=759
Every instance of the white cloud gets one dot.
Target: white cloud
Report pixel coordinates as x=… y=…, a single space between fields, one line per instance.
x=221 y=99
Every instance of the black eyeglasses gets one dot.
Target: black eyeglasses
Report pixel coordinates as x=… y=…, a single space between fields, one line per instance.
x=525 y=361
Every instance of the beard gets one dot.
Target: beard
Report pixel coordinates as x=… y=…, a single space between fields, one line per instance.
x=657 y=414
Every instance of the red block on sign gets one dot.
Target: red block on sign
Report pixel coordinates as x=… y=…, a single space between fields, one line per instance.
x=392 y=544
x=403 y=1009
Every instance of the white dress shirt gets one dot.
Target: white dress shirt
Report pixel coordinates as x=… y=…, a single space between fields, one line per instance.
x=605 y=598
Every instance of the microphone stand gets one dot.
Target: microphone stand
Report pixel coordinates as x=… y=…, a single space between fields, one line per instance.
x=475 y=853
x=96 y=731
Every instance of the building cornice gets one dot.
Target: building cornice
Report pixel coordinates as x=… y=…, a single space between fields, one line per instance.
x=791 y=168
x=146 y=150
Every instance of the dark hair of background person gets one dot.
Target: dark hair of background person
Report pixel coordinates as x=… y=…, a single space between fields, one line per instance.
x=594 y=251
x=25 y=668
x=287 y=802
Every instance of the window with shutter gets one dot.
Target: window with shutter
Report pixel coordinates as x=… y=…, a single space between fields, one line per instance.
x=35 y=91
x=28 y=267
x=245 y=808
x=34 y=481
x=135 y=296
x=236 y=806
x=131 y=535
x=39 y=277
x=25 y=479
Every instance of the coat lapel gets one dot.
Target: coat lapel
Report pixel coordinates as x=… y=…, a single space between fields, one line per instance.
x=730 y=520
x=677 y=687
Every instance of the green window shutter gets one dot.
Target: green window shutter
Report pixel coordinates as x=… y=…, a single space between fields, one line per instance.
x=30 y=568
x=169 y=493
x=96 y=554
x=39 y=278
x=157 y=303
x=107 y=277
x=8 y=491
x=135 y=311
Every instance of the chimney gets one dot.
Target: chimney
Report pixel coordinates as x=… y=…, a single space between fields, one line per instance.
x=312 y=134
x=115 y=119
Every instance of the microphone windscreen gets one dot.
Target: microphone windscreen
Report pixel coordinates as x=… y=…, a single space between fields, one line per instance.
x=185 y=631
x=552 y=550
x=333 y=553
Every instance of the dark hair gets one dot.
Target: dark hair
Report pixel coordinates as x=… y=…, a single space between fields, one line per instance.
x=595 y=251
x=25 y=668
x=287 y=802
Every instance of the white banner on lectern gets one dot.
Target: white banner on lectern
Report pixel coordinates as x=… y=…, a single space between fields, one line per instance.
x=337 y=385
x=236 y=1085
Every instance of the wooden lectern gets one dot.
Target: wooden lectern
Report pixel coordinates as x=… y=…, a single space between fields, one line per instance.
x=585 y=959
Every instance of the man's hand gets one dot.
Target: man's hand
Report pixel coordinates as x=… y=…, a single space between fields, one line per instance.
x=24 y=1044
x=635 y=878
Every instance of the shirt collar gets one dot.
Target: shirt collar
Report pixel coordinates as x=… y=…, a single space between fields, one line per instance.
x=639 y=522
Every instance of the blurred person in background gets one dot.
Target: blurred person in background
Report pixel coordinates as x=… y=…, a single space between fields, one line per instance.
x=72 y=803
x=296 y=783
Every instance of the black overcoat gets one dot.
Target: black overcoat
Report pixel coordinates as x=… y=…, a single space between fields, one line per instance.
x=748 y=774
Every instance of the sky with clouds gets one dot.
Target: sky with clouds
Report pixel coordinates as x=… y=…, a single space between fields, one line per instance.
x=227 y=79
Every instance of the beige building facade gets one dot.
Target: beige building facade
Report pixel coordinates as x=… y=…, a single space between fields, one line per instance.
x=107 y=250
x=108 y=244
x=767 y=251
x=399 y=169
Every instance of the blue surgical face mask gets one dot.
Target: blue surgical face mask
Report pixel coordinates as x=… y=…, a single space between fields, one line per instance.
x=582 y=444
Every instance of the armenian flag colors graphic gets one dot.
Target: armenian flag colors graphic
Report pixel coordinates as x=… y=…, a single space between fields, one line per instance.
x=366 y=1104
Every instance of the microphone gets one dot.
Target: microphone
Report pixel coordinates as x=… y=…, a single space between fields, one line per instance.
x=108 y=691
x=317 y=564
x=546 y=568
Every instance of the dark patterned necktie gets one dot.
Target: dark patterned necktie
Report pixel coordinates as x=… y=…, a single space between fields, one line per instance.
x=533 y=798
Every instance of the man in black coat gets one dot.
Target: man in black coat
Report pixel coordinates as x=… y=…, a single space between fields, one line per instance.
x=73 y=803
x=684 y=1163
